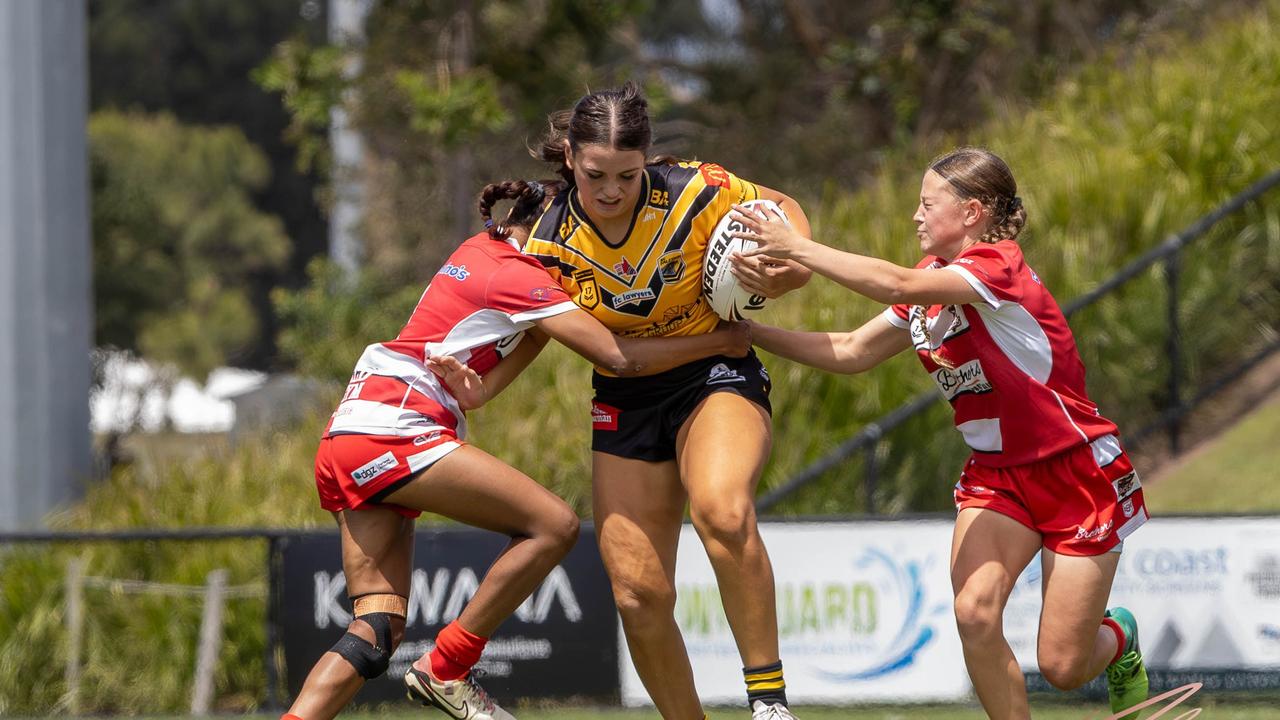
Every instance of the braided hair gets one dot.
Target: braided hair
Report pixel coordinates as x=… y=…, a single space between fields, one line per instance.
x=530 y=197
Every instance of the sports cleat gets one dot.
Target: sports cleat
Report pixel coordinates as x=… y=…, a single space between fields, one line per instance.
x=1126 y=677
x=760 y=710
x=460 y=699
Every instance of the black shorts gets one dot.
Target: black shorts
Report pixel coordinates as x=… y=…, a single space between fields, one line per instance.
x=639 y=418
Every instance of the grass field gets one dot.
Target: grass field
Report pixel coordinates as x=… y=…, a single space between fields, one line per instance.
x=1211 y=710
x=1240 y=466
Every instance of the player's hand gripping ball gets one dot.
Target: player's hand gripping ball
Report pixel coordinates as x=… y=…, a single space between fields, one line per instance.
x=719 y=286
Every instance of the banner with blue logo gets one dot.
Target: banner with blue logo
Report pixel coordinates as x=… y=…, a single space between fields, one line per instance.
x=1205 y=592
x=864 y=615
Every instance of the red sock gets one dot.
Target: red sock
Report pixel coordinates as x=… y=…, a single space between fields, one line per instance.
x=455 y=652
x=1120 y=638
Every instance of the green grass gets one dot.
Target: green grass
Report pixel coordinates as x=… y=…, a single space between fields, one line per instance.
x=1234 y=472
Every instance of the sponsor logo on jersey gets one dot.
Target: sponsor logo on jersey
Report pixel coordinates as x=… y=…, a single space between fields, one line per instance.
x=604 y=417
x=588 y=291
x=457 y=272
x=659 y=198
x=968 y=378
x=721 y=374
x=632 y=297
x=1097 y=534
x=625 y=269
x=426 y=438
x=1034 y=276
x=374 y=468
x=1127 y=508
x=540 y=294
x=567 y=227
x=1127 y=485
x=714 y=175
x=671 y=267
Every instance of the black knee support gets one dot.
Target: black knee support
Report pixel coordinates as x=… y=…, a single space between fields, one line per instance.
x=370 y=661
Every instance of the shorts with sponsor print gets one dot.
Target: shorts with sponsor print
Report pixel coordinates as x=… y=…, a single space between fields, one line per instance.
x=639 y=418
x=355 y=472
x=1084 y=501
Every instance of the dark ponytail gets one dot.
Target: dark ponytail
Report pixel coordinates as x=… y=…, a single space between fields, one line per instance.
x=529 y=196
x=617 y=118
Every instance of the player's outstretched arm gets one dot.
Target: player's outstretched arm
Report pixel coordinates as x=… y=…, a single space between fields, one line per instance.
x=840 y=352
x=877 y=279
x=629 y=357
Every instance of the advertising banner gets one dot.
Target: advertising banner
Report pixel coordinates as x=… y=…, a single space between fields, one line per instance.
x=1205 y=592
x=561 y=642
x=864 y=614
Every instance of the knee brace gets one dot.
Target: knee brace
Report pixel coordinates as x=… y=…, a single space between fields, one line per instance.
x=371 y=660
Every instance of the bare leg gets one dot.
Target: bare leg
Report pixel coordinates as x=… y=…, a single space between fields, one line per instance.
x=473 y=487
x=638 y=507
x=377 y=554
x=1074 y=646
x=988 y=552
x=722 y=449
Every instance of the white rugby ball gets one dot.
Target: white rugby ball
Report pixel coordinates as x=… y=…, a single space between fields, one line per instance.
x=719 y=286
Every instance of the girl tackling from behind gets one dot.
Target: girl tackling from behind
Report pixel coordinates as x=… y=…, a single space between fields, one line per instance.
x=394 y=449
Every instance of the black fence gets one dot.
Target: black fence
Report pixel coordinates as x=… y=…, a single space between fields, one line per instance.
x=570 y=621
x=1180 y=399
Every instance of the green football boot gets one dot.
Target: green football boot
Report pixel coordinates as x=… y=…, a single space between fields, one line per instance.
x=1126 y=677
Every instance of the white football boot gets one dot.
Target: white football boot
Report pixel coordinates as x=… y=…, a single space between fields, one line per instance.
x=761 y=710
x=460 y=699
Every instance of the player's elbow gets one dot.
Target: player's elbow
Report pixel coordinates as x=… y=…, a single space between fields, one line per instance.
x=618 y=364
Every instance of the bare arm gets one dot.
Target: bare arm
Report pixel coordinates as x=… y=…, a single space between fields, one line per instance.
x=469 y=389
x=770 y=276
x=877 y=279
x=842 y=352
x=627 y=357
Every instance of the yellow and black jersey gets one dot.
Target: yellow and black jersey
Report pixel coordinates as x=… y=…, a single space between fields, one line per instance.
x=651 y=283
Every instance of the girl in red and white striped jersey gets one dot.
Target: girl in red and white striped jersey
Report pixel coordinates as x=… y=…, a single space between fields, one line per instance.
x=394 y=449
x=1047 y=474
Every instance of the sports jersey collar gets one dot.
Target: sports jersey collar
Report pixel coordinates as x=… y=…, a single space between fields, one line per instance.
x=580 y=213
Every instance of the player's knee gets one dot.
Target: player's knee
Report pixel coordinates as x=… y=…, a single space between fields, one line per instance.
x=561 y=531
x=727 y=524
x=1063 y=671
x=385 y=616
x=642 y=603
x=978 y=618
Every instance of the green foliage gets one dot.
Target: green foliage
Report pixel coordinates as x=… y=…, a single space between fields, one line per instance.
x=453 y=110
x=177 y=238
x=310 y=82
x=328 y=323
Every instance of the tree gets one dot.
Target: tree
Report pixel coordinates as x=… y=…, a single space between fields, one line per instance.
x=177 y=239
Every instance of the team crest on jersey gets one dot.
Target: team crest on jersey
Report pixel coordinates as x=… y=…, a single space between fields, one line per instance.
x=714 y=175
x=949 y=322
x=624 y=269
x=671 y=267
x=588 y=291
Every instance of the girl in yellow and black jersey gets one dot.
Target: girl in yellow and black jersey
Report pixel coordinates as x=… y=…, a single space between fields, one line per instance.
x=626 y=241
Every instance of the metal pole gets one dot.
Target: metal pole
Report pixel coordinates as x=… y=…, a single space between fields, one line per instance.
x=1171 y=267
x=871 y=480
x=210 y=642
x=75 y=631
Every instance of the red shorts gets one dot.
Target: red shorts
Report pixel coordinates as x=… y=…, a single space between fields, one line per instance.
x=1083 y=501
x=353 y=470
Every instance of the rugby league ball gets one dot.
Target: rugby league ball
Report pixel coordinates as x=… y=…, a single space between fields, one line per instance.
x=719 y=286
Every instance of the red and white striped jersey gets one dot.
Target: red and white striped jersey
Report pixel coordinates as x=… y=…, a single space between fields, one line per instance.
x=476 y=308
x=1018 y=387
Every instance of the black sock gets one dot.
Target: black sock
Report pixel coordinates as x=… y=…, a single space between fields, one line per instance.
x=765 y=683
